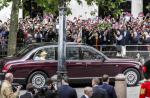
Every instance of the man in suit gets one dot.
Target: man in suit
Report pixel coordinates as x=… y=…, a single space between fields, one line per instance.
x=110 y=89
x=88 y=92
x=65 y=91
x=6 y=89
x=29 y=93
x=97 y=91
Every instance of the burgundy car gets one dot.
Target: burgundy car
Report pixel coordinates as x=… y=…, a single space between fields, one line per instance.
x=83 y=62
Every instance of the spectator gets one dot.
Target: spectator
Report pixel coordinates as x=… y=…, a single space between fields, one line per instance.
x=51 y=92
x=30 y=91
x=65 y=91
x=98 y=92
x=6 y=89
x=42 y=93
x=119 y=42
x=88 y=92
x=38 y=36
x=110 y=89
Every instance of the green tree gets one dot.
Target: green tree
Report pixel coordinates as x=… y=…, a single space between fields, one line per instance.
x=148 y=7
x=12 y=39
x=3 y=3
x=13 y=24
x=108 y=7
x=48 y=5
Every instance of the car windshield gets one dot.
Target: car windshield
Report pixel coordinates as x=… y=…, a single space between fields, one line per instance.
x=24 y=51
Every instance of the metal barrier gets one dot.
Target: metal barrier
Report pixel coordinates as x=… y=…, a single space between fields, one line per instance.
x=131 y=51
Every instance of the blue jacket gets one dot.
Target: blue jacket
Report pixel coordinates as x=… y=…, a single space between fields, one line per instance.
x=65 y=91
x=110 y=90
x=99 y=92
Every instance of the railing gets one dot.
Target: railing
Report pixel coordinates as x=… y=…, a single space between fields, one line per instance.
x=130 y=51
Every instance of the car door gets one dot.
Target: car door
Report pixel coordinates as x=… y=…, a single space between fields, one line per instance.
x=75 y=66
x=95 y=63
x=49 y=64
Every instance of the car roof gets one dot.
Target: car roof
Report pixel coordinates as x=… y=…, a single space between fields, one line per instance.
x=53 y=43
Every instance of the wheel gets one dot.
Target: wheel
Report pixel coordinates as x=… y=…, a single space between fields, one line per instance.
x=38 y=79
x=132 y=76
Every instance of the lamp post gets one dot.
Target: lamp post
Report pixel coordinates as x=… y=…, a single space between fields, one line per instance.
x=61 y=68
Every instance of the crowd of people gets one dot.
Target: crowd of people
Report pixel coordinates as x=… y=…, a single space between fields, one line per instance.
x=122 y=31
x=49 y=90
x=97 y=31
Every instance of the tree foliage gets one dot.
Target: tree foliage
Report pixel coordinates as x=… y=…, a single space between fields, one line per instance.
x=51 y=6
x=3 y=3
x=148 y=7
x=107 y=7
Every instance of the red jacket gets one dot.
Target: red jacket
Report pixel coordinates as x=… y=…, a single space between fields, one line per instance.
x=145 y=90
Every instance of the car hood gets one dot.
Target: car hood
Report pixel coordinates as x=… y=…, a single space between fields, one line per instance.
x=5 y=60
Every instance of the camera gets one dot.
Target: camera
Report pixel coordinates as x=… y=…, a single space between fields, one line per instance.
x=15 y=86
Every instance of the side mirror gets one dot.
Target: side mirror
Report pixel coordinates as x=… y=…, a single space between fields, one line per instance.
x=100 y=58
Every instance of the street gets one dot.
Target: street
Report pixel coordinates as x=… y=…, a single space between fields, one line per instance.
x=132 y=92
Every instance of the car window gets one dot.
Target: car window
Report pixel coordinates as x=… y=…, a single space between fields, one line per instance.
x=45 y=54
x=24 y=51
x=72 y=53
x=90 y=54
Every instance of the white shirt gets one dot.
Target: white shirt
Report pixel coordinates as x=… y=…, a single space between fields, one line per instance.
x=86 y=96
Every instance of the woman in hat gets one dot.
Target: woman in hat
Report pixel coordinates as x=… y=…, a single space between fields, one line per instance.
x=42 y=55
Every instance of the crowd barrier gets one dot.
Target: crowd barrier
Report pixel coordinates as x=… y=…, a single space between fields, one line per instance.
x=127 y=51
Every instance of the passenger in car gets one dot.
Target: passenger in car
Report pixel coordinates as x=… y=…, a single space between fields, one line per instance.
x=42 y=56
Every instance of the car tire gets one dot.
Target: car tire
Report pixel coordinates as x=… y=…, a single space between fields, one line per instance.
x=132 y=76
x=38 y=79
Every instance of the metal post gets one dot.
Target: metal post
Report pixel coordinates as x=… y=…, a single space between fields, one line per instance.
x=61 y=69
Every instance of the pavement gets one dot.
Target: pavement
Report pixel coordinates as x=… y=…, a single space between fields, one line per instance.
x=132 y=92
